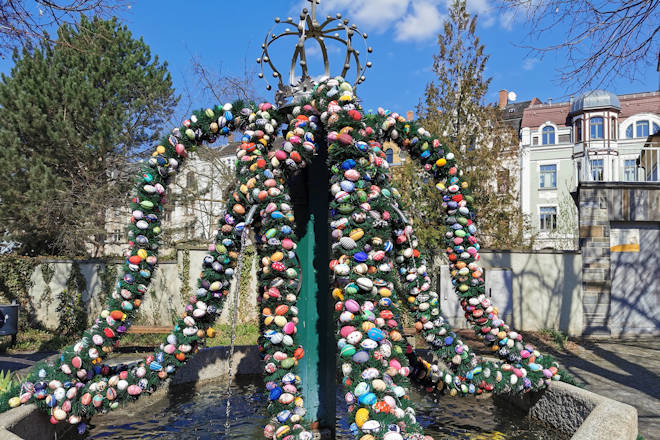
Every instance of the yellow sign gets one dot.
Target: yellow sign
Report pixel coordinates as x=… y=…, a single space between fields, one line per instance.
x=624 y=240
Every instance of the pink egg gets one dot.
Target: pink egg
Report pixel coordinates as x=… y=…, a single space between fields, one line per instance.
x=395 y=364
x=289 y=328
x=346 y=330
x=352 y=306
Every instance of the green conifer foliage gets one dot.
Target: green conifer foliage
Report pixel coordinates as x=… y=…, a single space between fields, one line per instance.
x=72 y=117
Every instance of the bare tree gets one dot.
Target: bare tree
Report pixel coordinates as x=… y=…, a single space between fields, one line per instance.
x=605 y=39
x=22 y=21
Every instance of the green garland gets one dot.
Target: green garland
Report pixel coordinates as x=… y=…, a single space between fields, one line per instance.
x=371 y=245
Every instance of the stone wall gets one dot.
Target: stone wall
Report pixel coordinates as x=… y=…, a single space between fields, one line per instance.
x=545 y=289
x=600 y=204
x=163 y=301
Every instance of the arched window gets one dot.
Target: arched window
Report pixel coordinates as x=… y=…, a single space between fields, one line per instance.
x=642 y=129
x=191 y=182
x=548 y=135
x=596 y=125
x=656 y=128
x=629 y=131
x=389 y=154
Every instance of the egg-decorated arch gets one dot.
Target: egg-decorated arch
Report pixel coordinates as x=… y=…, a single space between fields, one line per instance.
x=378 y=274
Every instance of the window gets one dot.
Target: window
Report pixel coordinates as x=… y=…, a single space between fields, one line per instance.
x=503 y=181
x=564 y=138
x=191 y=182
x=613 y=129
x=656 y=128
x=630 y=170
x=596 y=169
x=548 y=218
x=629 y=131
x=596 y=125
x=389 y=155
x=642 y=129
x=578 y=131
x=548 y=135
x=548 y=176
x=535 y=140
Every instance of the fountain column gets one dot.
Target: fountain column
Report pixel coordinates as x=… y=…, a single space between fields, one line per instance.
x=317 y=368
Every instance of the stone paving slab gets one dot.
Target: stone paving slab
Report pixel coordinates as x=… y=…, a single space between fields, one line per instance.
x=627 y=370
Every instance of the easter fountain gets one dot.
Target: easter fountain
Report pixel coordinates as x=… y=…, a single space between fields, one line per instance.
x=375 y=272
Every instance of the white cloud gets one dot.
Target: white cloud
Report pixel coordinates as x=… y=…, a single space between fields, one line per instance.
x=507 y=19
x=424 y=21
x=375 y=15
x=529 y=63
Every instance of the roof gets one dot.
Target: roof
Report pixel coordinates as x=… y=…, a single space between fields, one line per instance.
x=594 y=99
x=560 y=113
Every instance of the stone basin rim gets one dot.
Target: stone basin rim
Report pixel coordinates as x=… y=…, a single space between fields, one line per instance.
x=569 y=409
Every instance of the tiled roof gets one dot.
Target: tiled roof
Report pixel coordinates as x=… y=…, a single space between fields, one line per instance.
x=537 y=114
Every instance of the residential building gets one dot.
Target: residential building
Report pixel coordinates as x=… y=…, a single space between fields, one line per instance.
x=195 y=201
x=599 y=136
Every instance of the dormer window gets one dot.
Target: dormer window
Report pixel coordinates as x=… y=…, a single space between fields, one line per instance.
x=548 y=135
x=596 y=125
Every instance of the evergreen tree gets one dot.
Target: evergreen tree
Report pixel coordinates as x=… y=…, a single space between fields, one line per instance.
x=454 y=107
x=73 y=116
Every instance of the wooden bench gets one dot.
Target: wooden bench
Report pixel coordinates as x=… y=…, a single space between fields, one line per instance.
x=148 y=330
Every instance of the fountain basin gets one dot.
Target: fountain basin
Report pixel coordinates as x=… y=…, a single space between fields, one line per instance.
x=570 y=411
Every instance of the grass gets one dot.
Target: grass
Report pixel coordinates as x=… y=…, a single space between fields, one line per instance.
x=30 y=340
x=557 y=337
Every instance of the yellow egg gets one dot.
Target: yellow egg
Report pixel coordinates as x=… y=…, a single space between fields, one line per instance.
x=142 y=253
x=368 y=437
x=338 y=294
x=277 y=256
x=361 y=416
x=14 y=402
x=441 y=162
x=356 y=234
x=268 y=320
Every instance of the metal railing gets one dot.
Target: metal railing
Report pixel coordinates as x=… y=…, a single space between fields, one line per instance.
x=647 y=167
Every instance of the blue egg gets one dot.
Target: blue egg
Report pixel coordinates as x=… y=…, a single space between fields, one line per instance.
x=367 y=399
x=275 y=393
x=144 y=273
x=360 y=257
x=283 y=416
x=286 y=229
x=128 y=278
x=347 y=185
x=228 y=116
x=348 y=164
x=155 y=366
x=376 y=334
x=276 y=215
x=268 y=174
x=449 y=340
x=425 y=154
x=160 y=356
x=388 y=246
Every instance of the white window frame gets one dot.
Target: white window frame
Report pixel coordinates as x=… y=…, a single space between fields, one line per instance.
x=556 y=133
x=538 y=170
x=548 y=205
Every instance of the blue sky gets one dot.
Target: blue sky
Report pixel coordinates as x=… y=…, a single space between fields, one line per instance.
x=227 y=36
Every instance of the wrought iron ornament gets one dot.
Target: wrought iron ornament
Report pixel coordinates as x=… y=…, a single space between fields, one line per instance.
x=309 y=28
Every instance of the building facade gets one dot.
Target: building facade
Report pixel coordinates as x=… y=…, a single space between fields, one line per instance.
x=599 y=136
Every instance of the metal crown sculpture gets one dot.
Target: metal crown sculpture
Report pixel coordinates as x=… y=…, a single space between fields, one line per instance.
x=308 y=28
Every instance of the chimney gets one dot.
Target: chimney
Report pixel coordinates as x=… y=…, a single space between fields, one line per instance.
x=504 y=98
x=549 y=101
x=409 y=115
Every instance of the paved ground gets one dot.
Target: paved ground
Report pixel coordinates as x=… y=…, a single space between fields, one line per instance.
x=624 y=370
